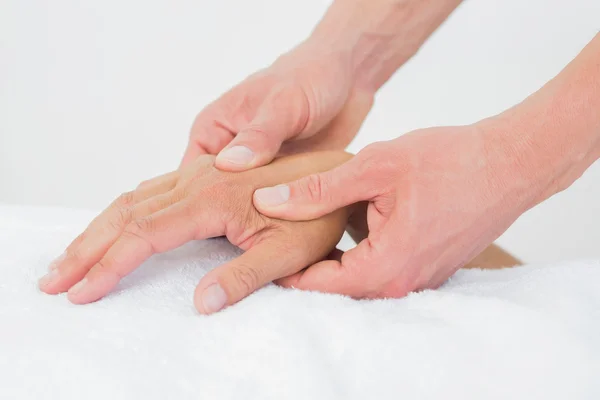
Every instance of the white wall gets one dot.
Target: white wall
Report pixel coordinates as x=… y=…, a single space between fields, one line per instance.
x=97 y=96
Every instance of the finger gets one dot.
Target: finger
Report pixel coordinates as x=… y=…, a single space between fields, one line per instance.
x=193 y=151
x=238 y=278
x=289 y=281
x=144 y=191
x=155 y=186
x=207 y=136
x=96 y=240
x=354 y=275
x=318 y=194
x=207 y=142
x=282 y=116
x=157 y=233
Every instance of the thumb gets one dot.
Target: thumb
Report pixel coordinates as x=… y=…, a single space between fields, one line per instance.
x=353 y=275
x=316 y=195
x=235 y=280
x=282 y=116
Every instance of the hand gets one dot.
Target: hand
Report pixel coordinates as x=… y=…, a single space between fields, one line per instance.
x=436 y=198
x=303 y=92
x=199 y=202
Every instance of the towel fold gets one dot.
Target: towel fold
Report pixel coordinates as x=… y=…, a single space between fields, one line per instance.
x=530 y=332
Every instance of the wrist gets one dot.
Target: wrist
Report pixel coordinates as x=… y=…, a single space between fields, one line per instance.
x=553 y=136
x=379 y=36
x=548 y=142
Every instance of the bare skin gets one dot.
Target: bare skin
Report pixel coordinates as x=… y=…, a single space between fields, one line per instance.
x=199 y=202
x=291 y=105
x=439 y=196
x=433 y=202
x=494 y=257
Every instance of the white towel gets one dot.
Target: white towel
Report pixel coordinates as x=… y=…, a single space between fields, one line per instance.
x=525 y=333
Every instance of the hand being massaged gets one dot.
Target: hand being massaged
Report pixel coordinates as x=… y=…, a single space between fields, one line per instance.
x=198 y=202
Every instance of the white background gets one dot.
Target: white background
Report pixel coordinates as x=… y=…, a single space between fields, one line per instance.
x=97 y=96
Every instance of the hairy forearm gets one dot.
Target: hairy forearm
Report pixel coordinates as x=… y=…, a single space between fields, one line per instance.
x=554 y=135
x=380 y=35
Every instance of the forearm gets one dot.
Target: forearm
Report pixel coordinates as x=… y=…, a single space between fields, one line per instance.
x=380 y=35
x=554 y=135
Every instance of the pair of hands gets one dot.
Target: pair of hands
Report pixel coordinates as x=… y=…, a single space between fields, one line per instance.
x=436 y=197
x=427 y=192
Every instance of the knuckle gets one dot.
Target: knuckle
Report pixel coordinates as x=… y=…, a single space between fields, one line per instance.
x=104 y=266
x=259 y=136
x=121 y=218
x=189 y=210
x=76 y=256
x=125 y=200
x=78 y=240
x=315 y=188
x=247 y=277
x=161 y=202
x=135 y=232
x=209 y=136
x=144 y=184
x=144 y=224
x=243 y=226
x=178 y=194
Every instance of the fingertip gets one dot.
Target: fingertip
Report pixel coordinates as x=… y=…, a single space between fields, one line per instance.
x=92 y=288
x=57 y=261
x=50 y=283
x=209 y=299
x=235 y=158
x=73 y=294
x=268 y=198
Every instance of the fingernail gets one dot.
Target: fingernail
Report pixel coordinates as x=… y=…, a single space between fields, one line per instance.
x=213 y=298
x=240 y=155
x=76 y=288
x=48 y=278
x=273 y=196
x=54 y=264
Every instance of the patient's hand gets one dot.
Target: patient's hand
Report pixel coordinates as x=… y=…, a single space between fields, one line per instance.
x=199 y=202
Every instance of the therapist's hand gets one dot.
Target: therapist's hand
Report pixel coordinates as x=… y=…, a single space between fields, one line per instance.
x=302 y=102
x=198 y=202
x=436 y=198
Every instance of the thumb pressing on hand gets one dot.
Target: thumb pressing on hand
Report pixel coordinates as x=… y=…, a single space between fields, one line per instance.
x=352 y=275
x=283 y=115
x=319 y=194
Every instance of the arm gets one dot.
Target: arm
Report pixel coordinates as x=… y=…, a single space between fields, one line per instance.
x=439 y=196
x=333 y=74
x=379 y=36
x=553 y=136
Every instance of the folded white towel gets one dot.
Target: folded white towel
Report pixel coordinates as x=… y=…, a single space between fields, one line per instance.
x=524 y=333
